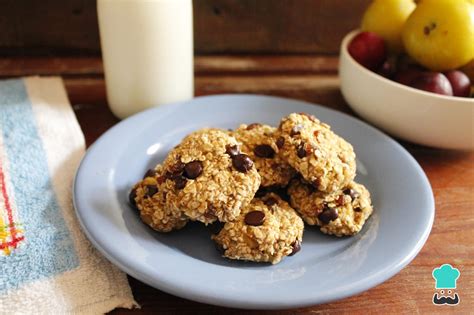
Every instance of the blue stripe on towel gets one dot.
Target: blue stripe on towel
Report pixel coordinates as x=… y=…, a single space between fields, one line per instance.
x=49 y=248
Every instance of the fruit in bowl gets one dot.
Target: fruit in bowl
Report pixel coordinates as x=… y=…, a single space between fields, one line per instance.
x=460 y=83
x=439 y=34
x=405 y=112
x=415 y=93
x=368 y=49
x=434 y=82
x=438 y=37
x=386 y=18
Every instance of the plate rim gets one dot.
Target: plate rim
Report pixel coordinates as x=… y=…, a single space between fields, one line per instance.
x=361 y=286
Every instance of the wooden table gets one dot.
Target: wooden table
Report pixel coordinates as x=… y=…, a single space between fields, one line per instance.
x=313 y=79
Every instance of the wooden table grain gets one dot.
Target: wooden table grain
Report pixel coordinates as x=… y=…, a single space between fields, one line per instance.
x=314 y=79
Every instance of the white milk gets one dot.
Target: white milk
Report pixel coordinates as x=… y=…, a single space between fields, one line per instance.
x=147 y=49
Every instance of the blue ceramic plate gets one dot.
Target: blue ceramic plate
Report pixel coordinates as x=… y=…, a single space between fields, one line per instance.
x=185 y=263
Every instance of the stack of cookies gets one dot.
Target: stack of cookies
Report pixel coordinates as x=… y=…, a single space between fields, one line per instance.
x=257 y=184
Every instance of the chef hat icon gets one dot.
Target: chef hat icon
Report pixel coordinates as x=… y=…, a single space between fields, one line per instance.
x=446 y=276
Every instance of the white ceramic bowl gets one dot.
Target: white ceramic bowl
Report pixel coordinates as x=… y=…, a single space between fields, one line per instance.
x=407 y=113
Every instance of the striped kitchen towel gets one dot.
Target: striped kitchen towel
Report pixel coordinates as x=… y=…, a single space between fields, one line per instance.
x=47 y=266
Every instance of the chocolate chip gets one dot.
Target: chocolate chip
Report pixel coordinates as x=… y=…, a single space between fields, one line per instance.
x=232 y=150
x=151 y=190
x=193 y=169
x=264 y=151
x=132 y=196
x=150 y=173
x=254 y=218
x=242 y=163
x=328 y=215
x=296 y=130
x=271 y=201
x=296 y=247
x=253 y=126
x=351 y=192
x=301 y=150
x=180 y=182
x=216 y=227
x=316 y=133
x=340 y=200
x=358 y=209
x=347 y=191
x=280 y=142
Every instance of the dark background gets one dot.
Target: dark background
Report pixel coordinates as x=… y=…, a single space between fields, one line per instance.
x=69 y=27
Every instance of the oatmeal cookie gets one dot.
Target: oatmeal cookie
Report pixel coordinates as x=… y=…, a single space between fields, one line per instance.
x=259 y=143
x=339 y=213
x=267 y=230
x=208 y=178
x=149 y=198
x=323 y=158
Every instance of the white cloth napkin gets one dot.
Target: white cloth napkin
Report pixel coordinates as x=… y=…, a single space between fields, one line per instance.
x=46 y=263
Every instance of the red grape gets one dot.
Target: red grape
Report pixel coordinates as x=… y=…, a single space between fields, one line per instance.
x=460 y=83
x=389 y=68
x=406 y=76
x=434 y=82
x=368 y=49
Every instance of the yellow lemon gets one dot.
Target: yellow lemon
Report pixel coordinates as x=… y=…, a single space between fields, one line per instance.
x=439 y=34
x=386 y=18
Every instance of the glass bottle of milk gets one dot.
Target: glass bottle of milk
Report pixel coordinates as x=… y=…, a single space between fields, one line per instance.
x=147 y=50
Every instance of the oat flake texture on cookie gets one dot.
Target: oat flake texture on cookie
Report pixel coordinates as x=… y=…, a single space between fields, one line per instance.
x=342 y=212
x=259 y=142
x=208 y=178
x=321 y=157
x=236 y=179
x=267 y=230
x=148 y=196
